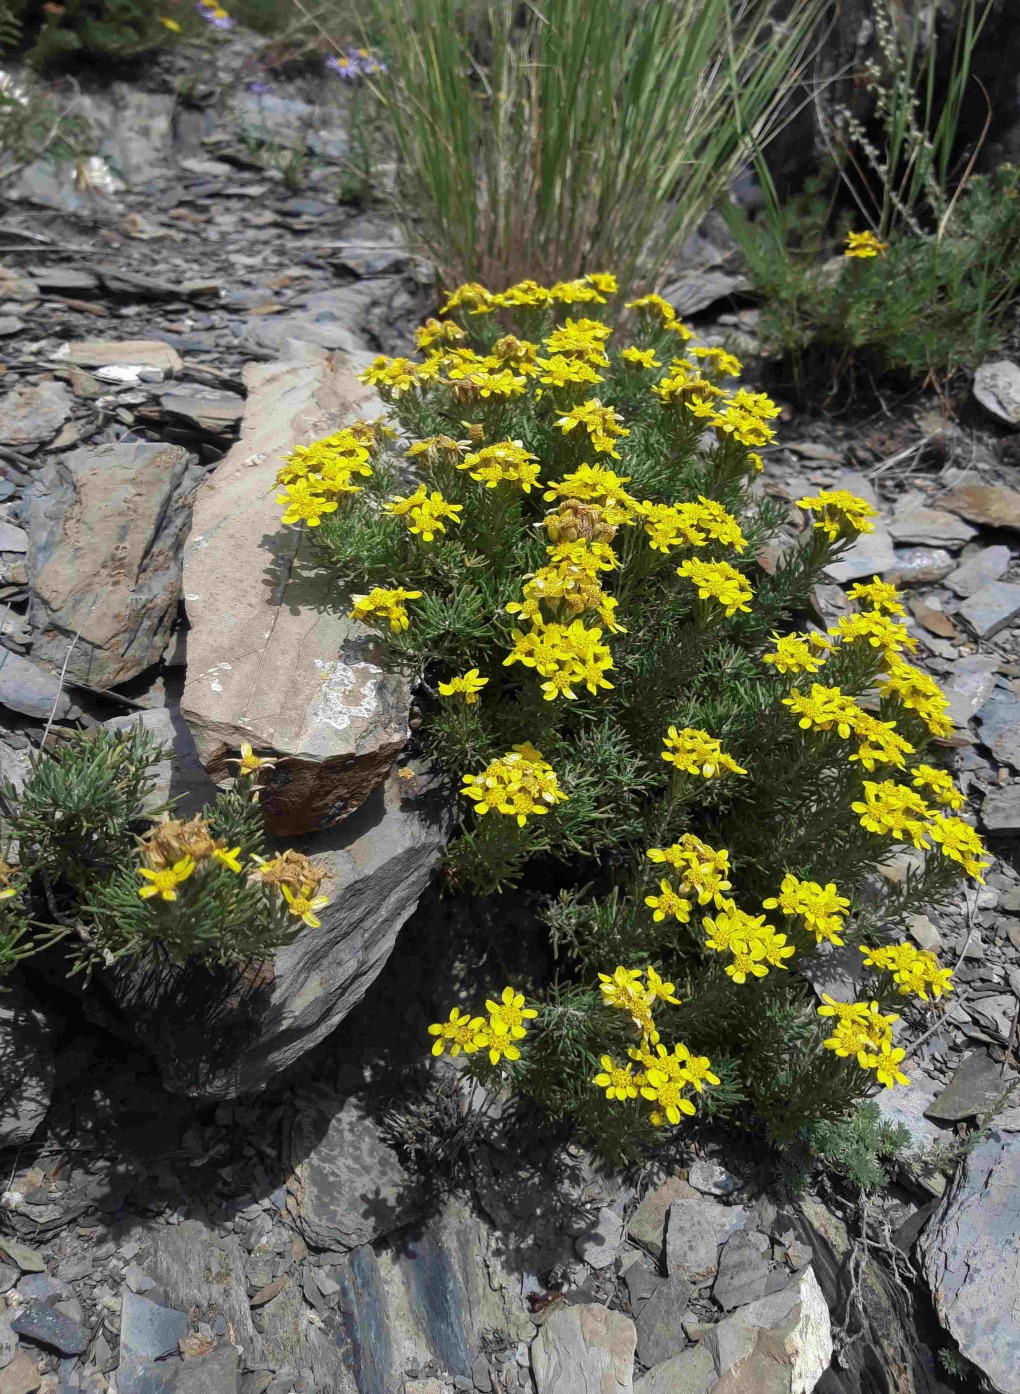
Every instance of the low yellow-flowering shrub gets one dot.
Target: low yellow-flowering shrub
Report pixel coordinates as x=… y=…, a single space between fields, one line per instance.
x=558 y=536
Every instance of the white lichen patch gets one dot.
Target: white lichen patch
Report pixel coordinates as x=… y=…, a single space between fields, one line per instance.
x=348 y=692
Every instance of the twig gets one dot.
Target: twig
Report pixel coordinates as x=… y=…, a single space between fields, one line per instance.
x=63 y=672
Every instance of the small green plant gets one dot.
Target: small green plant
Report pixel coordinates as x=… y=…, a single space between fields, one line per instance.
x=855 y=1147
x=106 y=29
x=120 y=880
x=551 y=140
x=564 y=552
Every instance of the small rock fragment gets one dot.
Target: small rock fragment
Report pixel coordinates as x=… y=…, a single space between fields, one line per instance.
x=1000 y=812
x=48 y=1327
x=992 y=608
x=659 y=1325
x=979 y=570
x=976 y=1084
x=34 y=412
x=647 y=1225
x=918 y=566
x=997 y=388
x=711 y=1179
x=931 y=527
x=694 y=1231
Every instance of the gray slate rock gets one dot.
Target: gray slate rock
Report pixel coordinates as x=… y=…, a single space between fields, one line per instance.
x=694 y=1231
x=1000 y=812
x=29 y=689
x=797 y=1319
x=647 y=1226
x=999 y=727
x=12 y=538
x=48 y=1327
x=348 y=1186
x=693 y=1372
x=743 y=1275
x=931 y=527
x=660 y=1332
x=149 y=1334
x=641 y=1278
x=919 y=566
x=711 y=1179
x=979 y=570
x=8 y=1343
x=27 y=1070
x=584 y=1350
x=976 y=1084
x=997 y=388
x=971 y=1259
x=34 y=412
x=600 y=1245
x=992 y=608
x=106 y=530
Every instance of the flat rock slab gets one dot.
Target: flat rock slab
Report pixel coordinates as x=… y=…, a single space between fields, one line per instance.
x=992 y=608
x=136 y=353
x=919 y=566
x=999 y=727
x=106 y=532
x=997 y=388
x=347 y=1185
x=1000 y=812
x=660 y=1324
x=34 y=412
x=584 y=1350
x=148 y=1344
x=48 y=1327
x=931 y=527
x=797 y=1320
x=871 y=554
x=991 y=504
x=976 y=1085
x=647 y=1225
x=204 y=407
x=970 y=1253
x=21 y=1376
x=743 y=1274
x=693 y=1372
x=216 y=1373
x=979 y=570
x=29 y=689
x=272 y=658
x=694 y=1231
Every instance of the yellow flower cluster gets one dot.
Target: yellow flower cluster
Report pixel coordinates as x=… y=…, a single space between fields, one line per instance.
x=565 y=655
x=863 y=244
x=830 y=709
x=385 y=604
x=872 y=627
x=505 y=462
x=603 y=425
x=497 y=1035
x=821 y=908
x=878 y=594
x=519 y=784
x=314 y=476
x=704 y=872
x=918 y=692
x=718 y=581
x=174 y=851
x=798 y=653
x=671 y=525
x=897 y=811
x=914 y=970
x=840 y=514
x=424 y=512
x=863 y=1032
x=665 y=1075
x=691 y=751
x=590 y=289
x=754 y=945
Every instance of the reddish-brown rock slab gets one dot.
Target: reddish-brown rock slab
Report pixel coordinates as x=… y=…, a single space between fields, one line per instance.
x=273 y=659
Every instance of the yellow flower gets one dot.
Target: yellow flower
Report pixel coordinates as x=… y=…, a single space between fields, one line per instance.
x=561 y=371
x=471 y=297
x=164 y=883
x=696 y=752
x=878 y=630
x=387 y=604
x=717 y=580
x=616 y=1080
x=893 y=809
x=821 y=908
x=170 y=24
x=424 y=511
x=519 y=784
x=640 y=358
x=958 y=840
x=304 y=905
x=669 y=904
x=656 y=306
x=717 y=361
x=824 y=709
x=667 y=1094
x=250 y=763
x=939 y=783
x=659 y=990
x=305 y=503
x=467 y=686
x=886 y=1065
x=703 y=870
x=604 y=425
x=879 y=594
x=508 y=1015
x=461 y=1032
x=506 y=461
x=863 y=244
x=228 y=857
x=917 y=691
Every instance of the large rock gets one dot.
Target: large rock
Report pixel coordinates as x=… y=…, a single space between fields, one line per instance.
x=273 y=659
x=27 y=1066
x=347 y=1186
x=991 y=504
x=971 y=1259
x=584 y=1350
x=797 y=1350
x=997 y=388
x=106 y=530
x=693 y=1372
x=694 y=1231
x=226 y=1033
x=34 y=412
x=27 y=688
